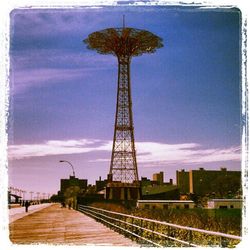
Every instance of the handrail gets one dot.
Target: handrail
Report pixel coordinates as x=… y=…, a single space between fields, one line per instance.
x=124 y=229
x=143 y=228
x=235 y=237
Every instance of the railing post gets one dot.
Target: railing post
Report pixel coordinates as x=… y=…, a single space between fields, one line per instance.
x=190 y=237
x=141 y=225
x=120 y=224
x=168 y=233
x=132 y=227
x=153 y=229
x=141 y=230
x=223 y=242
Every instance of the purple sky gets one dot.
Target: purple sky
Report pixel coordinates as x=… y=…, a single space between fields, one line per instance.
x=186 y=96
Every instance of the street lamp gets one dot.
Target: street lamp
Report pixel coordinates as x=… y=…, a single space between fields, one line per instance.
x=70 y=165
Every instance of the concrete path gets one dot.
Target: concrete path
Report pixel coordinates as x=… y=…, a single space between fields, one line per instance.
x=56 y=225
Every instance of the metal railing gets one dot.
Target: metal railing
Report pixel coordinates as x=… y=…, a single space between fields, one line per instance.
x=159 y=233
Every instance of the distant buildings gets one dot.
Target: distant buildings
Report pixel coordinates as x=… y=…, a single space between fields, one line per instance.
x=202 y=182
x=198 y=185
x=158 y=179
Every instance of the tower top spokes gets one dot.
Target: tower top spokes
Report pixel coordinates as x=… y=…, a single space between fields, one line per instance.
x=123 y=41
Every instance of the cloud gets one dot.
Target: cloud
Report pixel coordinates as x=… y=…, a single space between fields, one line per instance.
x=188 y=153
x=148 y=153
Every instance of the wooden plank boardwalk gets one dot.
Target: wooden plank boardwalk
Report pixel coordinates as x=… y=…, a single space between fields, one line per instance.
x=56 y=225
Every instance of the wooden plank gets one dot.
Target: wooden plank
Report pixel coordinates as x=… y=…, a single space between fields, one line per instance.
x=63 y=226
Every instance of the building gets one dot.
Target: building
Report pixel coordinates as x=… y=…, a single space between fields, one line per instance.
x=165 y=204
x=147 y=182
x=72 y=181
x=160 y=192
x=159 y=178
x=13 y=198
x=182 y=181
x=224 y=203
x=100 y=184
x=202 y=182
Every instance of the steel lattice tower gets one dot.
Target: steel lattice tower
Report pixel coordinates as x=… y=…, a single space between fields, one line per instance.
x=124 y=43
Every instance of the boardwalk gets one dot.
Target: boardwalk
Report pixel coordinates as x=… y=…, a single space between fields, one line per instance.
x=56 y=225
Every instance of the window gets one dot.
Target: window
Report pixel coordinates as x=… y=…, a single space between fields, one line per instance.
x=223 y=207
x=231 y=206
x=154 y=207
x=146 y=206
x=186 y=206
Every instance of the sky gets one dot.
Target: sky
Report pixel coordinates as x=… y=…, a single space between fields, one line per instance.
x=186 y=96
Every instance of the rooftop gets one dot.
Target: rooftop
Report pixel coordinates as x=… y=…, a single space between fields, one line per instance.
x=148 y=190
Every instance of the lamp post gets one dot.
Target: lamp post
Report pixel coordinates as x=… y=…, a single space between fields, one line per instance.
x=31 y=192
x=70 y=165
x=38 y=196
x=24 y=192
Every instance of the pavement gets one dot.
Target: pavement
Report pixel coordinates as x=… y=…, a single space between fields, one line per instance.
x=56 y=225
x=19 y=212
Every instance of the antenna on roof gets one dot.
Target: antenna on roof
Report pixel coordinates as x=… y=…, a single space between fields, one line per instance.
x=123 y=21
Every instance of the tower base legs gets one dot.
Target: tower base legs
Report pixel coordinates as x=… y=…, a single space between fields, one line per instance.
x=122 y=192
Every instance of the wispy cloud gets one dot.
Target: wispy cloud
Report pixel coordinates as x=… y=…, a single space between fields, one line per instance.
x=57 y=22
x=148 y=153
x=26 y=79
x=51 y=48
x=160 y=153
x=46 y=58
x=38 y=68
x=56 y=147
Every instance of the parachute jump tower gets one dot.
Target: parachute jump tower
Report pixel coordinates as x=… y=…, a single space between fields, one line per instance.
x=124 y=43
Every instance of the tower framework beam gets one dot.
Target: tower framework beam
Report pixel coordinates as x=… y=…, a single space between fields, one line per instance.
x=123 y=165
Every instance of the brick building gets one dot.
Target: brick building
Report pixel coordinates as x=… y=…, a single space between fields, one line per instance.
x=100 y=184
x=158 y=177
x=72 y=181
x=203 y=181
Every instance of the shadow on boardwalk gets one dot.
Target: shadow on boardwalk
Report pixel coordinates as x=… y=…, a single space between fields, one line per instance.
x=56 y=225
